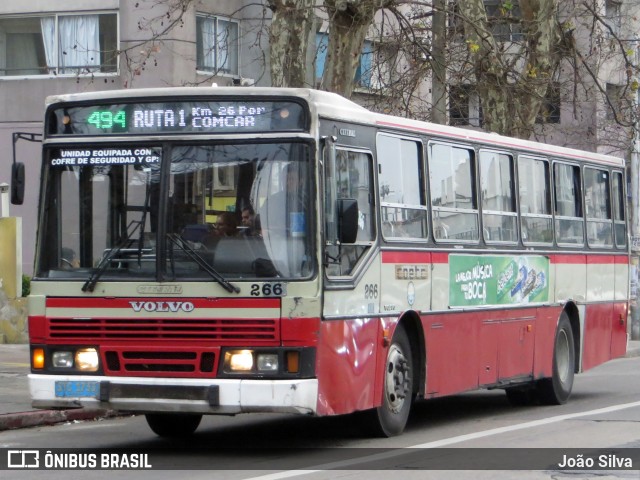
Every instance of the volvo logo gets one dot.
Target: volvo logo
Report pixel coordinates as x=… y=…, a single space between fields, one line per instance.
x=162 y=306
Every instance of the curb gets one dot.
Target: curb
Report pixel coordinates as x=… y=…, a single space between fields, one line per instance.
x=12 y=421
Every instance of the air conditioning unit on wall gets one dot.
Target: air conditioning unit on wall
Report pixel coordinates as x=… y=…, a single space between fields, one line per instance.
x=243 y=82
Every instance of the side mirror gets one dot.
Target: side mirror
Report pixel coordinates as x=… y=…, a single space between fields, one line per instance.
x=17 y=183
x=347 y=220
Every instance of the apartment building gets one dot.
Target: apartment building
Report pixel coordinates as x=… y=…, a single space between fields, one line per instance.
x=50 y=47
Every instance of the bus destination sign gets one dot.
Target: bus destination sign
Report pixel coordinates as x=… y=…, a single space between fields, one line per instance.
x=176 y=117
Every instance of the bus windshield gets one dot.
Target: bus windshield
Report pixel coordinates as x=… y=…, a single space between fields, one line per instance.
x=177 y=212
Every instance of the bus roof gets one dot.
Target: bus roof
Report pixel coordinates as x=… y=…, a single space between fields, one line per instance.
x=331 y=105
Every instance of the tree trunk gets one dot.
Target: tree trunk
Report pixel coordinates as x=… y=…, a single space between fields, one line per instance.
x=289 y=36
x=513 y=92
x=349 y=20
x=439 y=63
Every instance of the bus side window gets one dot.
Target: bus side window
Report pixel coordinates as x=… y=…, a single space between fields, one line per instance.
x=499 y=218
x=619 y=220
x=597 y=196
x=353 y=178
x=568 y=204
x=453 y=193
x=403 y=205
x=535 y=200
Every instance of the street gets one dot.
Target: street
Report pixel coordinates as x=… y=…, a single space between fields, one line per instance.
x=603 y=412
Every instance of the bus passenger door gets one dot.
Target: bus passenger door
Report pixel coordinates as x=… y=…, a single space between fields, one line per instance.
x=347 y=358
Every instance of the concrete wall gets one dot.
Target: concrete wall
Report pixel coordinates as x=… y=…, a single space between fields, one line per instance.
x=13 y=320
x=13 y=312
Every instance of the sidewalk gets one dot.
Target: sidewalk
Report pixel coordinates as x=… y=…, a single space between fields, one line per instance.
x=15 y=404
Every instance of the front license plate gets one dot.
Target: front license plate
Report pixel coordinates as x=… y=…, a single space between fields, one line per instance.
x=77 y=389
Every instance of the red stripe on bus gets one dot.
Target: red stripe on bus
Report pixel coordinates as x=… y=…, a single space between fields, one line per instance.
x=440 y=257
x=406 y=257
x=581 y=258
x=600 y=259
x=621 y=259
x=101 y=302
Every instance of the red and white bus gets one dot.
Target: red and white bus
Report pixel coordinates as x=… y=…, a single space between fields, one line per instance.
x=228 y=250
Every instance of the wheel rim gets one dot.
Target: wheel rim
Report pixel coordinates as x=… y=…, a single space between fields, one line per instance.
x=397 y=379
x=562 y=356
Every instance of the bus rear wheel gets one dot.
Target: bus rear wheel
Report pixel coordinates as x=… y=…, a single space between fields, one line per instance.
x=557 y=389
x=391 y=417
x=173 y=425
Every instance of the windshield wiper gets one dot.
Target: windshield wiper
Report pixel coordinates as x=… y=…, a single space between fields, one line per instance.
x=202 y=263
x=90 y=284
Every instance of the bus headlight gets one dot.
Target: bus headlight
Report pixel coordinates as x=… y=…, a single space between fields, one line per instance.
x=239 y=361
x=62 y=359
x=267 y=362
x=87 y=360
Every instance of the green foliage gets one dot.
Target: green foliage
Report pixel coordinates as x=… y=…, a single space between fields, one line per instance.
x=26 y=285
x=506 y=7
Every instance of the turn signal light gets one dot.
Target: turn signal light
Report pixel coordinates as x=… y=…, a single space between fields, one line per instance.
x=293 y=362
x=37 y=358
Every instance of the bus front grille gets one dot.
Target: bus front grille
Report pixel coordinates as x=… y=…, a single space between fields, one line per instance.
x=229 y=331
x=174 y=362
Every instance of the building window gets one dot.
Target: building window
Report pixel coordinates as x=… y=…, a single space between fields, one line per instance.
x=217 y=45
x=464 y=106
x=618 y=106
x=613 y=16
x=550 y=108
x=322 y=44
x=58 y=44
x=504 y=20
x=369 y=72
x=364 y=73
x=455 y=23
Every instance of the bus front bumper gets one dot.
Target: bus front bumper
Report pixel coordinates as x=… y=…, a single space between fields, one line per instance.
x=140 y=394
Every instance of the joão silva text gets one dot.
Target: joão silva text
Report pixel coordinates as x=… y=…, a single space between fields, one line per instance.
x=603 y=461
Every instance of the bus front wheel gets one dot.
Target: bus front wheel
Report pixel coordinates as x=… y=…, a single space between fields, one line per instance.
x=391 y=417
x=173 y=425
x=557 y=389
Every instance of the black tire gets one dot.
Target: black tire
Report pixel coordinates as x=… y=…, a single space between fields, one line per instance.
x=173 y=425
x=557 y=389
x=391 y=417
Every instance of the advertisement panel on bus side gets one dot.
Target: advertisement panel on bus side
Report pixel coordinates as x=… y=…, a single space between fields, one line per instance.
x=497 y=280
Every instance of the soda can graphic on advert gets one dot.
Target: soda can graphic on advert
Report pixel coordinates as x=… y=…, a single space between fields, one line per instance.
x=540 y=285
x=297 y=224
x=507 y=278
x=520 y=281
x=530 y=283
